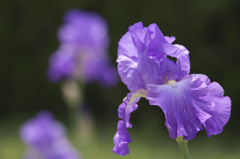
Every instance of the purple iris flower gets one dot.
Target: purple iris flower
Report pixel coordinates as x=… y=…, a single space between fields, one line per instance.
x=189 y=101
x=46 y=139
x=83 y=53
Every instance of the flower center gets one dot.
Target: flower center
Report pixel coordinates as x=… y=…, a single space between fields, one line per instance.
x=172 y=82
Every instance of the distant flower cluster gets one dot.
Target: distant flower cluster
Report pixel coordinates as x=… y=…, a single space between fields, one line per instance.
x=189 y=101
x=83 y=53
x=46 y=139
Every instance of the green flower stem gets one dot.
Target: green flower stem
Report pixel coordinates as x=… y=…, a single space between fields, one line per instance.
x=73 y=95
x=183 y=147
x=73 y=118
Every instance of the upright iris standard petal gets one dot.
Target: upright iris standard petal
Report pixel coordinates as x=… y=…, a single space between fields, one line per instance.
x=140 y=52
x=163 y=44
x=83 y=54
x=134 y=60
x=128 y=63
x=46 y=139
x=147 y=65
x=181 y=53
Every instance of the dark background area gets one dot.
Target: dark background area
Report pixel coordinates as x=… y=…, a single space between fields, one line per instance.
x=28 y=35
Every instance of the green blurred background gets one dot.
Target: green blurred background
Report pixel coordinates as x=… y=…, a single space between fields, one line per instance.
x=208 y=28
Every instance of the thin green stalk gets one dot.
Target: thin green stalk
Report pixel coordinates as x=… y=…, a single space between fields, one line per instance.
x=72 y=95
x=183 y=147
x=72 y=118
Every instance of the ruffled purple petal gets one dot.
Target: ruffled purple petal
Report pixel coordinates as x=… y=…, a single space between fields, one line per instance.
x=148 y=63
x=122 y=138
x=184 y=112
x=158 y=40
x=181 y=53
x=130 y=107
x=126 y=46
x=135 y=60
x=129 y=73
x=163 y=45
x=127 y=63
x=140 y=53
x=140 y=36
x=127 y=107
x=188 y=104
x=221 y=107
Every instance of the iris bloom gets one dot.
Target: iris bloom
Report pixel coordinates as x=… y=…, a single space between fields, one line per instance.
x=46 y=139
x=189 y=101
x=83 y=53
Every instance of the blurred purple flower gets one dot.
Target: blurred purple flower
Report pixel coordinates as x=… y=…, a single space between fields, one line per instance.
x=188 y=101
x=46 y=139
x=83 y=54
